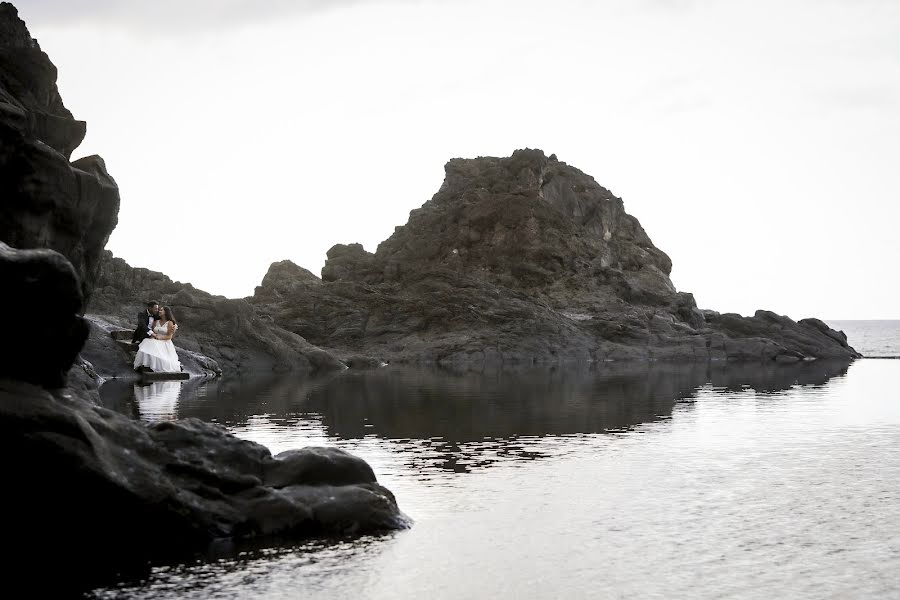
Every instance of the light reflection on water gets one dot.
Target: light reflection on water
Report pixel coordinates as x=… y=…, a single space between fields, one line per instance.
x=871 y=338
x=636 y=482
x=157 y=401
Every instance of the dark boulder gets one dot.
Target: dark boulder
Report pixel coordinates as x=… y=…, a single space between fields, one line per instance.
x=96 y=492
x=102 y=492
x=286 y=273
x=43 y=327
x=347 y=261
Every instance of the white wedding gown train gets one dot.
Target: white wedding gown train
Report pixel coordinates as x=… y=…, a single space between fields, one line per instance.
x=158 y=355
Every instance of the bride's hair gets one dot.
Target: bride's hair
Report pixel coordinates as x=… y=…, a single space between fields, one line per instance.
x=169 y=315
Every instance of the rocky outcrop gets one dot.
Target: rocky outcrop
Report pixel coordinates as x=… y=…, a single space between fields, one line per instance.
x=72 y=207
x=104 y=492
x=522 y=259
x=138 y=488
x=48 y=202
x=234 y=333
x=90 y=491
x=109 y=354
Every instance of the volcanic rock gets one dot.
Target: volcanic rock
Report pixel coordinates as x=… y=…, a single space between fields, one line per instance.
x=234 y=333
x=133 y=493
x=48 y=202
x=96 y=492
x=523 y=259
x=90 y=492
x=42 y=296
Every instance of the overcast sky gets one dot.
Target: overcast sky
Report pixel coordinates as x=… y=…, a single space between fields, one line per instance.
x=756 y=141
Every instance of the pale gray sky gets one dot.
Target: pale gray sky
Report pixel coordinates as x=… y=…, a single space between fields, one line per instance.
x=756 y=141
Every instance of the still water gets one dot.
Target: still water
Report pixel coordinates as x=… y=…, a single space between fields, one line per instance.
x=616 y=482
x=871 y=338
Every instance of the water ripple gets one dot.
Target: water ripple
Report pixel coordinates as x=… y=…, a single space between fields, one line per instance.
x=585 y=485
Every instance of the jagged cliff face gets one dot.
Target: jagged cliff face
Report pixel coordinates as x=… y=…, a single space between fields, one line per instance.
x=46 y=201
x=528 y=222
x=113 y=493
x=520 y=259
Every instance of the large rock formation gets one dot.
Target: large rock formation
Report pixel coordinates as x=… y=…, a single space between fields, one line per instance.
x=90 y=492
x=237 y=335
x=47 y=201
x=130 y=492
x=521 y=260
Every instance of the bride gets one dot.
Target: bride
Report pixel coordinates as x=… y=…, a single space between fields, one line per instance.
x=157 y=352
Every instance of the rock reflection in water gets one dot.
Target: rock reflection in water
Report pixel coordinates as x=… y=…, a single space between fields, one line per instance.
x=459 y=420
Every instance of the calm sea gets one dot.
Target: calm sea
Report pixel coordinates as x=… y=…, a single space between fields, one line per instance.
x=645 y=481
x=871 y=338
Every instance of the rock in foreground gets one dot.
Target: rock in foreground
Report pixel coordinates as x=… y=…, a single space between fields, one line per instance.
x=521 y=260
x=71 y=207
x=95 y=492
x=88 y=492
x=47 y=201
x=91 y=491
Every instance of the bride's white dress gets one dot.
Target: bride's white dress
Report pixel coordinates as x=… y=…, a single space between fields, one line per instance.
x=158 y=355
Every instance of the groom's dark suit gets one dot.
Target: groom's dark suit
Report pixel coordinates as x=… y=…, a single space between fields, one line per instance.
x=143 y=329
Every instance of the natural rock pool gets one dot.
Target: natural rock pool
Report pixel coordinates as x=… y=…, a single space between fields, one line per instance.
x=650 y=482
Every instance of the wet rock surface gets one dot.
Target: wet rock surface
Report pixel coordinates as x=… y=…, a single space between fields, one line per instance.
x=523 y=259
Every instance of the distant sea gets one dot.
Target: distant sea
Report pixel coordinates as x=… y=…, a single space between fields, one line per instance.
x=871 y=338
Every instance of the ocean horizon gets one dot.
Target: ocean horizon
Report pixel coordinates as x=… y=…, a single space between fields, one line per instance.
x=873 y=338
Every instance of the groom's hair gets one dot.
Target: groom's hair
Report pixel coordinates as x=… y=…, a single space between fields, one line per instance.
x=152 y=303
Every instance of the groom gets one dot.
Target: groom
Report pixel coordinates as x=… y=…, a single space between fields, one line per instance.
x=145 y=322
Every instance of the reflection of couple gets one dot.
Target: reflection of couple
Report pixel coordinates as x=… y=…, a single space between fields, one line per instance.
x=155 y=330
x=159 y=400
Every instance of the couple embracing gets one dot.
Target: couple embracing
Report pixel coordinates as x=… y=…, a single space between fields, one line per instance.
x=155 y=329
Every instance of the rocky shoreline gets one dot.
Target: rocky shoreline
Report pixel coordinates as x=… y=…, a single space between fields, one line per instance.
x=92 y=492
x=228 y=335
x=515 y=260
x=522 y=260
x=519 y=260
